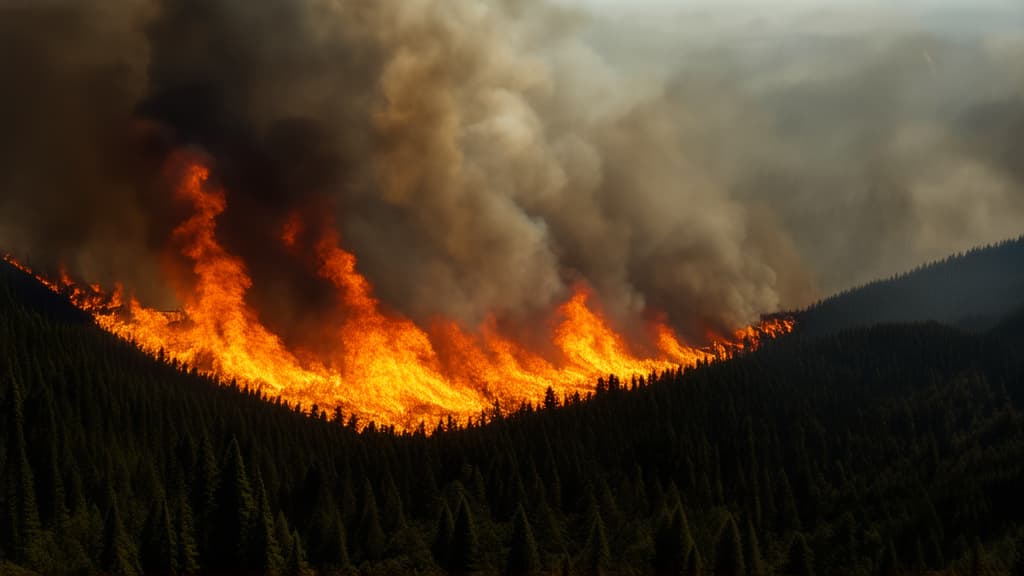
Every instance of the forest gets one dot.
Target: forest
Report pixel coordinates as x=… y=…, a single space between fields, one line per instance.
x=887 y=449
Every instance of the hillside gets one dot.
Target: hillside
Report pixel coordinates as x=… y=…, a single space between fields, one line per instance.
x=886 y=450
x=973 y=290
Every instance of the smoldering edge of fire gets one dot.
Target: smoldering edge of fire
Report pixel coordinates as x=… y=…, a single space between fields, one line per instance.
x=481 y=156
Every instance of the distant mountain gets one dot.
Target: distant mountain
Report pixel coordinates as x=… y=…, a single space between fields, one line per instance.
x=974 y=290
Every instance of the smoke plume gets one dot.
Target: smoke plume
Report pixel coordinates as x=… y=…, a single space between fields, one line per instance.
x=481 y=156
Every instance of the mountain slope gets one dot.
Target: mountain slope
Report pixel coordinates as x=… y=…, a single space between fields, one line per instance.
x=972 y=290
x=896 y=446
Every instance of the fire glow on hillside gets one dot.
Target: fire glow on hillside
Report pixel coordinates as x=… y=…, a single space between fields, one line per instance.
x=381 y=366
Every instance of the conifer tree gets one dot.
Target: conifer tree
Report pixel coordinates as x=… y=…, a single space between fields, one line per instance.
x=694 y=563
x=333 y=548
x=235 y=510
x=672 y=543
x=296 y=563
x=119 y=553
x=346 y=498
x=465 y=554
x=523 y=557
x=789 y=517
x=799 y=560
x=21 y=526
x=204 y=495
x=392 y=514
x=159 y=541
x=729 y=550
x=441 y=548
x=284 y=535
x=596 y=553
x=550 y=532
x=49 y=485
x=265 y=552
x=752 y=552
x=187 y=554
x=372 y=535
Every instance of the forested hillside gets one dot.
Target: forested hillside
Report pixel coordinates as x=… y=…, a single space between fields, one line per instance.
x=887 y=450
x=973 y=290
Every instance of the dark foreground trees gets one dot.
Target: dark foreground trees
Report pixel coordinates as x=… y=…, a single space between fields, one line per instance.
x=890 y=450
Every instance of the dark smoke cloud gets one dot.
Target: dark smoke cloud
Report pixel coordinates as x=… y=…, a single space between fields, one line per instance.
x=480 y=156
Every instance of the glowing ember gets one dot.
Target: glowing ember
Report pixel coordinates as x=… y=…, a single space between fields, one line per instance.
x=385 y=368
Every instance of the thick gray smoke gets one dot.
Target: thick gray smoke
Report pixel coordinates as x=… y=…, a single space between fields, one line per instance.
x=484 y=155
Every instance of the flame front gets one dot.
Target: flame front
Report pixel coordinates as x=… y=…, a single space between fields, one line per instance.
x=385 y=368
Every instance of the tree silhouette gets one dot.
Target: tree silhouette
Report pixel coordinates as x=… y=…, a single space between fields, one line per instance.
x=159 y=541
x=596 y=553
x=729 y=550
x=465 y=551
x=235 y=511
x=373 y=539
x=673 y=543
x=119 y=553
x=799 y=560
x=523 y=557
x=443 y=535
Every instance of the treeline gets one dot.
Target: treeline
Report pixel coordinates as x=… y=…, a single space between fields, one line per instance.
x=973 y=290
x=891 y=450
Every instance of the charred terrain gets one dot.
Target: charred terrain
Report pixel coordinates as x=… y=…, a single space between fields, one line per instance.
x=882 y=449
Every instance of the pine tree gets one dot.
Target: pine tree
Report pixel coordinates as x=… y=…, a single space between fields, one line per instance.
x=204 y=496
x=596 y=553
x=21 y=525
x=310 y=501
x=264 y=550
x=789 y=517
x=550 y=400
x=392 y=514
x=672 y=543
x=296 y=563
x=694 y=563
x=799 y=560
x=235 y=510
x=187 y=554
x=729 y=550
x=283 y=534
x=465 y=554
x=550 y=532
x=441 y=548
x=333 y=550
x=372 y=535
x=119 y=553
x=752 y=552
x=523 y=557
x=159 y=541
x=49 y=485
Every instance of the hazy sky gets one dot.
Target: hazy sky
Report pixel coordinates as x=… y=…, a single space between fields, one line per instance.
x=710 y=159
x=948 y=16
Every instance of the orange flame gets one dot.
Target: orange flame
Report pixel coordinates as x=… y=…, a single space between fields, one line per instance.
x=386 y=368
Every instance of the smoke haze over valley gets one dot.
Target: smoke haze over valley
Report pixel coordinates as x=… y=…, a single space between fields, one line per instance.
x=712 y=162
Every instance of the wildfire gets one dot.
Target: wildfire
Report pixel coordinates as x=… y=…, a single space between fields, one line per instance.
x=385 y=367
